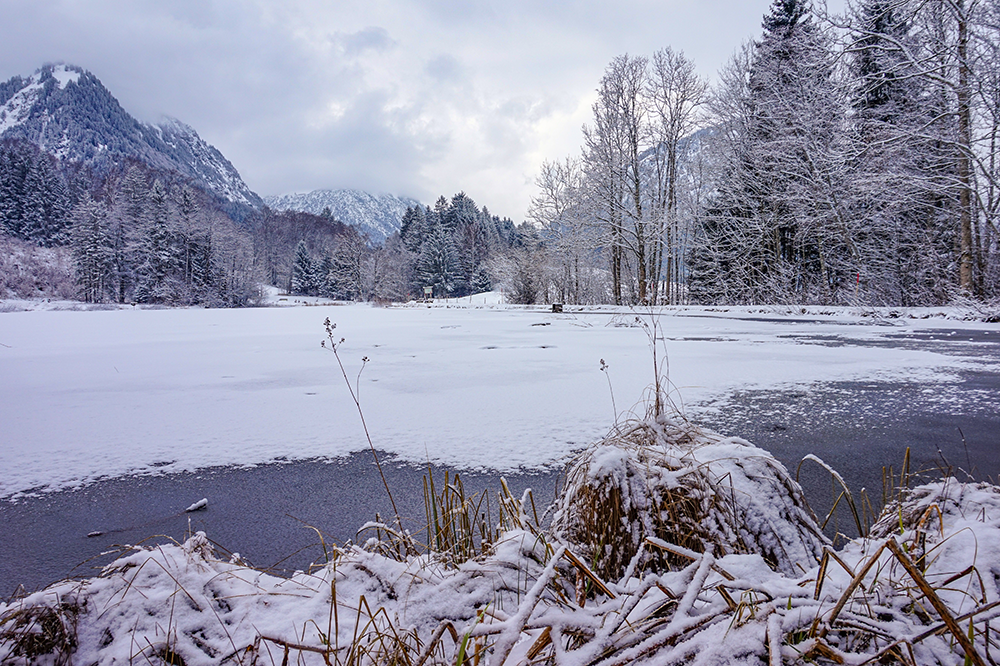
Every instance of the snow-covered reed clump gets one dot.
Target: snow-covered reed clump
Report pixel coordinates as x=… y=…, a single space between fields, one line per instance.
x=667 y=479
x=718 y=566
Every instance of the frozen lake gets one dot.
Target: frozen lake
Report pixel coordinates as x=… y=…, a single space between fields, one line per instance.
x=115 y=421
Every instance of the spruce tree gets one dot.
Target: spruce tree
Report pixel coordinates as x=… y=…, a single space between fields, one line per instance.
x=11 y=182
x=785 y=16
x=188 y=238
x=775 y=228
x=346 y=273
x=92 y=251
x=882 y=91
x=437 y=266
x=325 y=284
x=303 y=275
x=155 y=255
x=127 y=225
x=44 y=203
x=413 y=228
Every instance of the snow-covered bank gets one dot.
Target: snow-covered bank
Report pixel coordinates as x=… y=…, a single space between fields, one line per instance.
x=921 y=590
x=90 y=395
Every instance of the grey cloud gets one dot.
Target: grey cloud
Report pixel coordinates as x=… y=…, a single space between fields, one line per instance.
x=195 y=13
x=371 y=38
x=308 y=93
x=371 y=146
x=445 y=68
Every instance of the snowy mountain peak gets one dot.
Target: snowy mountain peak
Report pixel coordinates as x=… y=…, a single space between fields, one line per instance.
x=65 y=110
x=377 y=215
x=63 y=74
x=174 y=123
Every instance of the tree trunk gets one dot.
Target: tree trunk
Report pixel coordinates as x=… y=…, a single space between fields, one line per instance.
x=965 y=262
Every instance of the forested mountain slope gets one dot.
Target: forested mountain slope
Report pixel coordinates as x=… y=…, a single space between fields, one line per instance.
x=67 y=112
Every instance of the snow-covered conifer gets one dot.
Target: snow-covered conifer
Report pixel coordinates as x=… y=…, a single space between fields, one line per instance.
x=303 y=275
x=92 y=250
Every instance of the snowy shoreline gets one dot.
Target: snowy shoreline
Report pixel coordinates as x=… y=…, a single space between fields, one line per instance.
x=107 y=394
x=758 y=584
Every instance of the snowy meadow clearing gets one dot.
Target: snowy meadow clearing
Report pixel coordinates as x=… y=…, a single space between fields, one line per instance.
x=92 y=395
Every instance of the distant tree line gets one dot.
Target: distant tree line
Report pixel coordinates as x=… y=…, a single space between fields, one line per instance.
x=840 y=159
x=145 y=237
x=453 y=245
x=455 y=248
x=133 y=234
x=280 y=237
x=36 y=195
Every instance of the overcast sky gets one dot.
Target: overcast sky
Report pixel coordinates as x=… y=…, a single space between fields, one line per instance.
x=411 y=97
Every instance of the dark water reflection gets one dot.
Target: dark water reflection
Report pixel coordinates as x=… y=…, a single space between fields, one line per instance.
x=265 y=513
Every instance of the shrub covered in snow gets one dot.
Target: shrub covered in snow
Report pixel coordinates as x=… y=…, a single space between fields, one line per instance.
x=669 y=479
x=30 y=271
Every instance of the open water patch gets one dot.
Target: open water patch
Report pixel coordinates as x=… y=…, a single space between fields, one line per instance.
x=268 y=513
x=861 y=427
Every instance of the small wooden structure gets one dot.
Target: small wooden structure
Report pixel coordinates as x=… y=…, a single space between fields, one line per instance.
x=557 y=307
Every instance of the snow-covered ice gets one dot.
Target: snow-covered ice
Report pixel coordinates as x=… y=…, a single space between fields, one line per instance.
x=467 y=384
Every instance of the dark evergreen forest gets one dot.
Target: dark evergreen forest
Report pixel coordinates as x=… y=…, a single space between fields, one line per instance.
x=134 y=234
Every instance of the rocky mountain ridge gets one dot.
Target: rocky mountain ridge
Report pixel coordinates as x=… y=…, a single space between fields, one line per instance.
x=66 y=111
x=377 y=215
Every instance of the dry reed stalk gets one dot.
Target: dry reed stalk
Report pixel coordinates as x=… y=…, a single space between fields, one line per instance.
x=847 y=594
x=828 y=554
x=435 y=639
x=334 y=345
x=36 y=631
x=291 y=645
x=540 y=643
x=585 y=570
x=942 y=610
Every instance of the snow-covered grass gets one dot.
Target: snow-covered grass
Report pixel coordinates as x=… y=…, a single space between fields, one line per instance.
x=921 y=590
x=97 y=394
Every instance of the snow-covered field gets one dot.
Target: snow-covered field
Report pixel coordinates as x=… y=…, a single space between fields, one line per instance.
x=86 y=395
